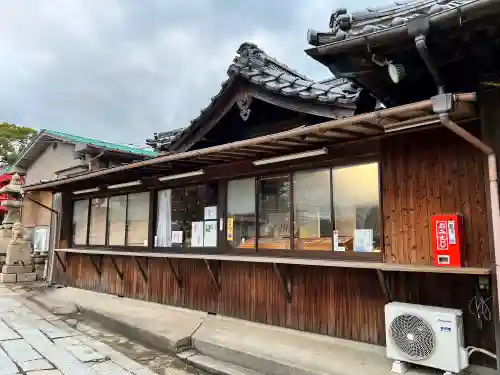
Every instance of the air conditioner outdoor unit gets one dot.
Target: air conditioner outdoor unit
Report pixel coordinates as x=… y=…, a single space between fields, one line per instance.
x=425 y=335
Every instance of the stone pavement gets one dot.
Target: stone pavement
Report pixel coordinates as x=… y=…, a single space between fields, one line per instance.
x=35 y=342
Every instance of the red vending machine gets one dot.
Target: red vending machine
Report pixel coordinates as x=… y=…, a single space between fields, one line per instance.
x=447 y=239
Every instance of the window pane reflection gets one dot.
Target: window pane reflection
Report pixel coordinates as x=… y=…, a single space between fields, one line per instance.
x=241 y=218
x=138 y=218
x=97 y=229
x=274 y=212
x=116 y=220
x=356 y=207
x=80 y=221
x=312 y=213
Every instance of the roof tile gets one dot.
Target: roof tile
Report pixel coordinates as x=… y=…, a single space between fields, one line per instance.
x=344 y=24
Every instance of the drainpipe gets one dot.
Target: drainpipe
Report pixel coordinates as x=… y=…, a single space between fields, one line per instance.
x=442 y=104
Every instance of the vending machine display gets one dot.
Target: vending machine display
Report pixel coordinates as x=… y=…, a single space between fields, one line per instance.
x=447 y=238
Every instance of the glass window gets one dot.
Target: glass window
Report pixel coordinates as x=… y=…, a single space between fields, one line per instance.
x=80 y=221
x=356 y=207
x=241 y=218
x=138 y=219
x=313 y=229
x=163 y=237
x=179 y=208
x=97 y=227
x=117 y=216
x=274 y=212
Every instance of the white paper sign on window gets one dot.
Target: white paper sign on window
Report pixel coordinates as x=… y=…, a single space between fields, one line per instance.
x=210 y=233
x=177 y=236
x=336 y=240
x=197 y=234
x=363 y=240
x=210 y=212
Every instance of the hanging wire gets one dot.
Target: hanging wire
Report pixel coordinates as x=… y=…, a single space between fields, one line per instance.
x=478 y=306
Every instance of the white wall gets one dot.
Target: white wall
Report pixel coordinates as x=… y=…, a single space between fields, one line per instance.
x=51 y=160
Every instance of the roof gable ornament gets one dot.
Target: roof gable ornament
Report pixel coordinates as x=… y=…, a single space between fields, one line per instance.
x=243 y=101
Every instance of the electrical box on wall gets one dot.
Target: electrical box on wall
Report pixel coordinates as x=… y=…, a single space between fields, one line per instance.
x=447 y=240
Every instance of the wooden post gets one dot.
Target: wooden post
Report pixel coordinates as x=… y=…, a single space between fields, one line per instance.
x=489 y=104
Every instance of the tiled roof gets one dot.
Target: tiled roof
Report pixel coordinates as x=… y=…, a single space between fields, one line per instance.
x=345 y=25
x=102 y=144
x=258 y=68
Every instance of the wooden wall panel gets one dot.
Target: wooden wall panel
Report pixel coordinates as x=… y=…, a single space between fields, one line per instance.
x=345 y=303
x=429 y=173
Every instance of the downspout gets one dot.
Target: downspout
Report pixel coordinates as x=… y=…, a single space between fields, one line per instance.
x=442 y=104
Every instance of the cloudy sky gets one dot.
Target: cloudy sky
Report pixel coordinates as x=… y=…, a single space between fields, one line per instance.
x=120 y=70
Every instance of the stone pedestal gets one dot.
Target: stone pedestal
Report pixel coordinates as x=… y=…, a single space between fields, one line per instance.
x=18 y=260
x=18 y=265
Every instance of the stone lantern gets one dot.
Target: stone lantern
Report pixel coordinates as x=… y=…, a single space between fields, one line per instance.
x=18 y=261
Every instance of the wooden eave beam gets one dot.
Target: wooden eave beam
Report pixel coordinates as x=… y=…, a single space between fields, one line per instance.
x=96 y=265
x=284 y=282
x=115 y=266
x=214 y=276
x=61 y=262
x=383 y=283
x=175 y=272
x=141 y=269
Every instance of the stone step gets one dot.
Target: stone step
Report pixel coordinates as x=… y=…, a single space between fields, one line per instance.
x=214 y=366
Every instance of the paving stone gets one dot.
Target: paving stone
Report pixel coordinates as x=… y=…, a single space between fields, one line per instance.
x=51 y=330
x=63 y=360
x=45 y=372
x=6 y=333
x=36 y=365
x=20 y=351
x=109 y=368
x=7 y=367
x=117 y=357
x=81 y=351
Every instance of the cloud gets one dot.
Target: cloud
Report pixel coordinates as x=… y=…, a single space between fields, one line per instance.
x=120 y=70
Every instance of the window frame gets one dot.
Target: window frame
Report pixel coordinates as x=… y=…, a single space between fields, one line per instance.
x=221 y=212
x=292 y=252
x=223 y=246
x=106 y=245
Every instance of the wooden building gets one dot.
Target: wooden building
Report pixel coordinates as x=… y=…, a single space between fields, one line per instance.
x=292 y=203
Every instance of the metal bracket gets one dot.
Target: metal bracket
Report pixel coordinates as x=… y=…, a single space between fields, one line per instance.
x=96 y=266
x=214 y=276
x=115 y=266
x=63 y=264
x=175 y=272
x=284 y=281
x=141 y=269
x=442 y=103
x=383 y=284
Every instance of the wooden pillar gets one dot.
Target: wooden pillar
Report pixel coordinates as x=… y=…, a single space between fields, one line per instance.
x=489 y=106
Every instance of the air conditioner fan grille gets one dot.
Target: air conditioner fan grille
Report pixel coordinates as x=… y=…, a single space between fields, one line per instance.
x=413 y=336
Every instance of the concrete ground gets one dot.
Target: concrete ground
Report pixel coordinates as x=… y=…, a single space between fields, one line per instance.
x=216 y=344
x=36 y=342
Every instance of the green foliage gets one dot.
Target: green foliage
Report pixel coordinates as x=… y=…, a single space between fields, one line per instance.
x=13 y=140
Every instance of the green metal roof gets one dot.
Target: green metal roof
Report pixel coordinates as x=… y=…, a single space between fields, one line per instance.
x=103 y=144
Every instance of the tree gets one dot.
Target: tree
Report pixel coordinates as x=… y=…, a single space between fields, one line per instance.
x=13 y=140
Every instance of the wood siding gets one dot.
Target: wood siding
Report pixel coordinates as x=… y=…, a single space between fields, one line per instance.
x=430 y=173
x=345 y=303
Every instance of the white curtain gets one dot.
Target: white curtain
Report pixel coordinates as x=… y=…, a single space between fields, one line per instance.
x=164 y=219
